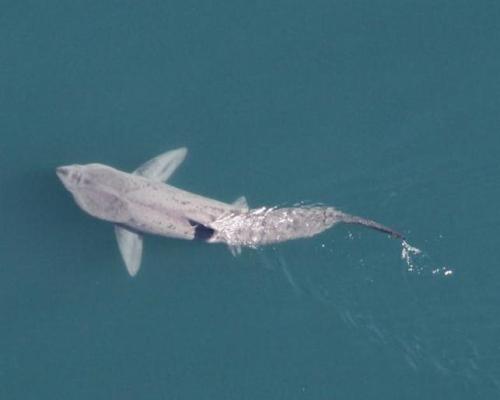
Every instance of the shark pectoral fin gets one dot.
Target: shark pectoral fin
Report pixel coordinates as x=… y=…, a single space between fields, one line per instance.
x=235 y=250
x=241 y=203
x=163 y=166
x=130 y=245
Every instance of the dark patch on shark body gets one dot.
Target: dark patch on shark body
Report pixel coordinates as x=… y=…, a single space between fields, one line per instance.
x=201 y=232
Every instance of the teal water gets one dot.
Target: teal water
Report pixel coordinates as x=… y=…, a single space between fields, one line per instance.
x=386 y=109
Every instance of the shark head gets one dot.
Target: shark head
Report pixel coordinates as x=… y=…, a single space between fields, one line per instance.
x=96 y=189
x=72 y=176
x=91 y=176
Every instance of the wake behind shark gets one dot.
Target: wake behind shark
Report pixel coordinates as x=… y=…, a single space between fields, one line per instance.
x=142 y=202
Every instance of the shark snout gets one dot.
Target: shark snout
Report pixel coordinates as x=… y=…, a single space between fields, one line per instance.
x=62 y=172
x=69 y=174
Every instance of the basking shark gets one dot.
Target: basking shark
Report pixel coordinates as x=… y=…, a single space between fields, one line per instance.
x=142 y=202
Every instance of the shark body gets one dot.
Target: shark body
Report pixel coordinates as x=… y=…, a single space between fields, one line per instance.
x=142 y=202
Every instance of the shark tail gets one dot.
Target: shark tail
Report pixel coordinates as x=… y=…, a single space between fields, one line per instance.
x=352 y=219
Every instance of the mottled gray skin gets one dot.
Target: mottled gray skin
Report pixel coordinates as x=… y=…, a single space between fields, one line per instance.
x=138 y=203
x=142 y=202
x=272 y=225
x=143 y=205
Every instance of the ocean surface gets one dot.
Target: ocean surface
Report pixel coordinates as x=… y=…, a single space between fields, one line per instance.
x=384 y=109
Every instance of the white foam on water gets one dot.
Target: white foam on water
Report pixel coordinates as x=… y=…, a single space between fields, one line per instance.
x=417 y=261
x=408 y=253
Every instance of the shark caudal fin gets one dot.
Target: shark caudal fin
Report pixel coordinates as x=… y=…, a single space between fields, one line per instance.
x=351 y=219
x=130 y=245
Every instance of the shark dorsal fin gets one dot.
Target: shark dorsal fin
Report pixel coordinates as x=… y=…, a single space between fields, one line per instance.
x=163 y=166
x=241 y=203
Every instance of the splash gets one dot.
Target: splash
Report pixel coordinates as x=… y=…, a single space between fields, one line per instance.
x=408 y=254
x=419 y=262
